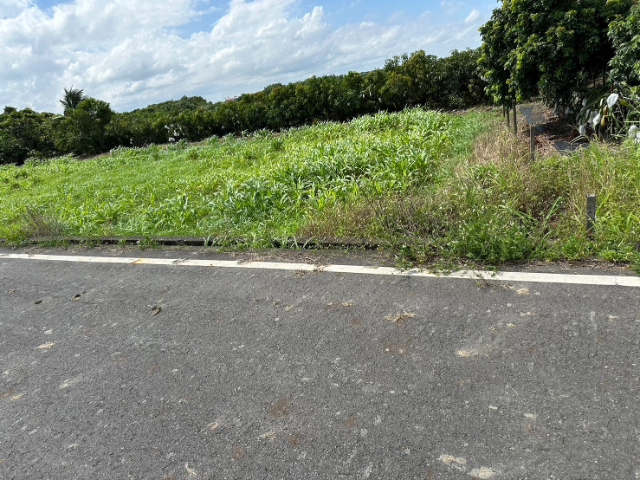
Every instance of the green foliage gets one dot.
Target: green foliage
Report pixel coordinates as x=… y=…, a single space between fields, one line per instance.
x=412 y=179
x=611 y=114
x=24 y=134
x=72 y=98
x=420 y=79
x=495 y=206
x=625 y=37
x=232 y=186
x=89 y=126
x=556 y=48
x=84 y=129
x=497 y=35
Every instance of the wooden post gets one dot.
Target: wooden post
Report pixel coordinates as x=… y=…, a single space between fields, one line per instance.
x=515 y=122
x=591 y=214
x=508 y=119
x=532 y=138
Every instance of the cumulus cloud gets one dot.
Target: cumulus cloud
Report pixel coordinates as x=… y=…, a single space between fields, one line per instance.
x=9 y=8
x=131 y=54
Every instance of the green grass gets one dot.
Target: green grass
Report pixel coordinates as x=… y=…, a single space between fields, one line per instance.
x=495 y=206
x=427 y=183
x=263 y=186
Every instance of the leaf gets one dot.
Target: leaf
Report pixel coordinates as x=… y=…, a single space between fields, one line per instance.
x=399 y=316
x=190 y=471
x=156 y=310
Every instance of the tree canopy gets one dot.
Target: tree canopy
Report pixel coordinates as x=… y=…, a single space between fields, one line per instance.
x=555 y=48
x=90 y=126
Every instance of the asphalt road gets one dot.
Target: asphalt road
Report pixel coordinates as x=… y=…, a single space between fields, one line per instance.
x=112 y=371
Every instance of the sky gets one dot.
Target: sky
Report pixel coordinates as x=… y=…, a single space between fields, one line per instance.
x=133 y=53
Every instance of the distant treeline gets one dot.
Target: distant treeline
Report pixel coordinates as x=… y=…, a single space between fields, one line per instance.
x=90 y=126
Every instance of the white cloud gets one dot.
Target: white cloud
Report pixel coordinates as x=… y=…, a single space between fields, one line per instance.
x=129 y=53
x=10 y=8
x=450 y=7
x=472 y=17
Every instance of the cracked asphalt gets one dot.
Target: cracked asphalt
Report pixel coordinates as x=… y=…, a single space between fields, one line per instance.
x=165 y=372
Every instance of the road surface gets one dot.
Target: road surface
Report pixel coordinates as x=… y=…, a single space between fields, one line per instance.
x=178 y=371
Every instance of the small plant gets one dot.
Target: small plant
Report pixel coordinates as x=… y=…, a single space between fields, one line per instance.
x=277 y=144
x=147 y=242
x=635 y=263
x=181 y=144
x=611 y=114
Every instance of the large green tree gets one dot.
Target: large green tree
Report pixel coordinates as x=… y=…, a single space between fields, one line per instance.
x=497 y=44
x=25 y=133
x=556 y=48
x=84 y=130
x=625 y=36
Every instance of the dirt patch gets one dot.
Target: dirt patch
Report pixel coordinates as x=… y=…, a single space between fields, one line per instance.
x=280 y=408
x=553 y=133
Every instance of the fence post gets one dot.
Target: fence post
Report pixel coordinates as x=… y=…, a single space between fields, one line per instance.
x=508 y=117
x=532 y=138
x=515 y=122
x=591 y=214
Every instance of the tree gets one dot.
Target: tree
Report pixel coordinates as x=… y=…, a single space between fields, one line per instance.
x=625 y=36
x=23 y=134
x=84 y=129
x=461 y=84
x=493 y=60
x=72 y=98
x=553 y=47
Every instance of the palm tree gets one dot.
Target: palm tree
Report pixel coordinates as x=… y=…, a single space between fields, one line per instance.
x=72 y=99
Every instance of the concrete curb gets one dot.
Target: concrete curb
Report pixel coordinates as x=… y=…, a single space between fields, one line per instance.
x=303 y=243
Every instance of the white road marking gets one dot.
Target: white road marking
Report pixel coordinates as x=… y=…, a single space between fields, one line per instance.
x=605 y=280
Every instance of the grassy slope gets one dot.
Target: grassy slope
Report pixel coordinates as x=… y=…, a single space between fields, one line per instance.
x=263 y=185
x=429 y=183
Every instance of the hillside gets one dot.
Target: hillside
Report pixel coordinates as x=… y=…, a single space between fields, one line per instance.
x=426 y=184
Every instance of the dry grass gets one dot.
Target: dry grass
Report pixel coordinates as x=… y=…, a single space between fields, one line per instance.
x=498 y=146
x=35 y=223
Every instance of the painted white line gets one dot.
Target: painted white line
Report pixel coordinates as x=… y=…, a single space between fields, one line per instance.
x=610 y=280
x=69 y=258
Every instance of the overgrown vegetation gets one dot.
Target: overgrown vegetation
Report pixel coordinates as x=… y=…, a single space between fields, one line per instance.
x=497 y=206
x=89 y=125
x=578 y=56
x=279 y=164
x=426 y=184
x=265 y=185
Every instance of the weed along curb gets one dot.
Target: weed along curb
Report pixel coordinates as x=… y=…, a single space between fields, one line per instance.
x=295 y=243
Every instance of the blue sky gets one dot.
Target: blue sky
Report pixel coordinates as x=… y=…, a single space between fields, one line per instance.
x=135 y=52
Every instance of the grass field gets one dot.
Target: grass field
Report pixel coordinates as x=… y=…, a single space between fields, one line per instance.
x=428 y=184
